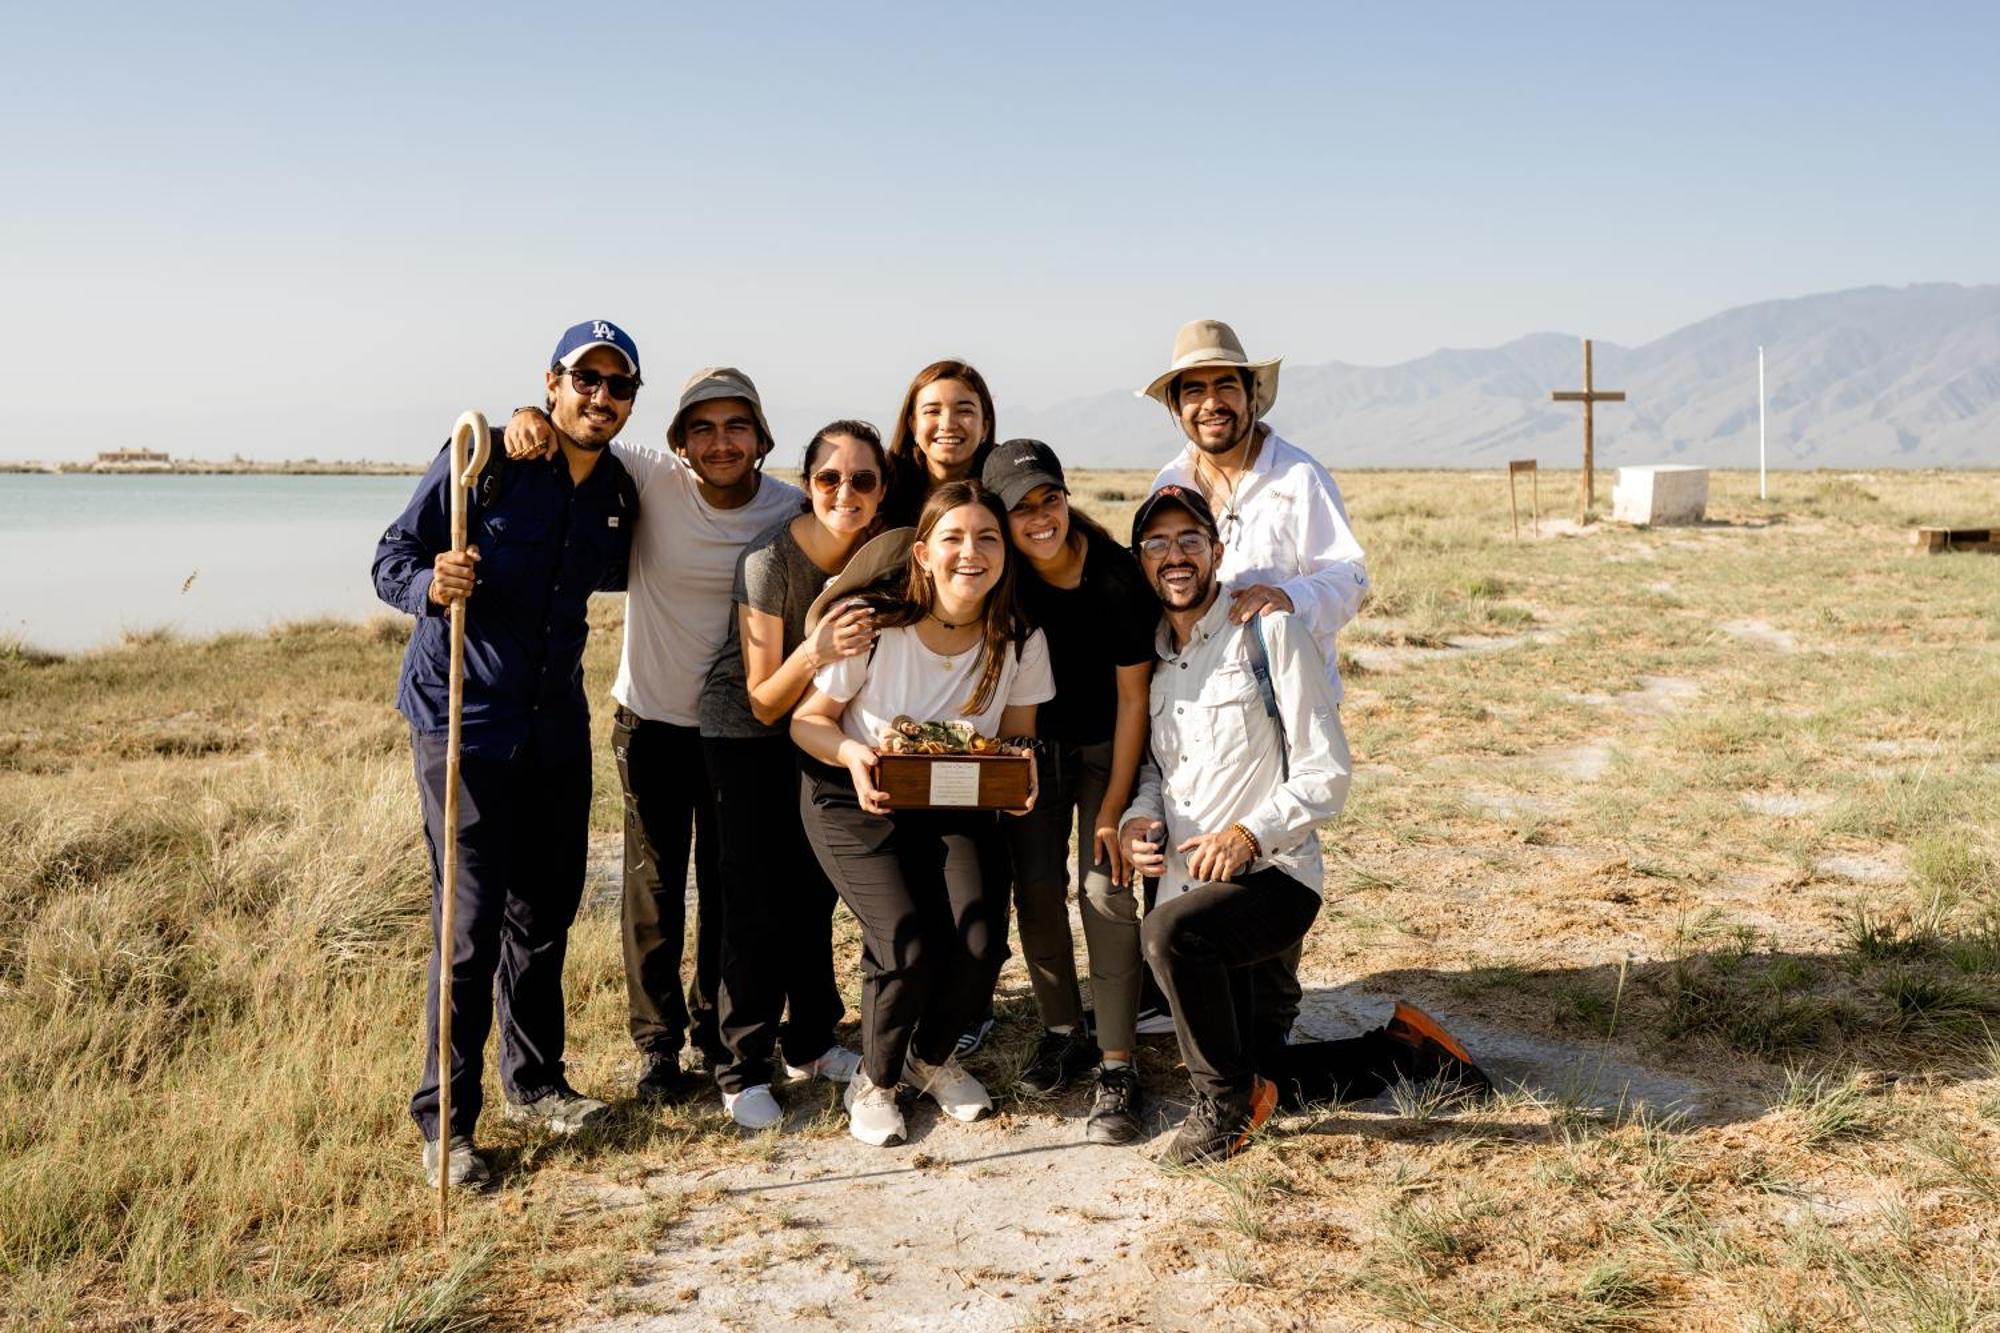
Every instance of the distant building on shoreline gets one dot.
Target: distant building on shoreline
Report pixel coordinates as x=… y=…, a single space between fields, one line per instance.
x=132 y=460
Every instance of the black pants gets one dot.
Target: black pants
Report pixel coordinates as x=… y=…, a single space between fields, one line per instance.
x=777 y=913
x=521 y=837
x=1205 y=947
x=1352 y=1069
x=1275 y=984
x=929 y=888
x=668 y=807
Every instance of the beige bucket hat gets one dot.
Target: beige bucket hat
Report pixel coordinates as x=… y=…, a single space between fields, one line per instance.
x=1210 y=342
x=885 y=555
x=710 y=383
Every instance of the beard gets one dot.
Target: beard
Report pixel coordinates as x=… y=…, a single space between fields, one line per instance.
x=1197 y=591
x=1241 y=430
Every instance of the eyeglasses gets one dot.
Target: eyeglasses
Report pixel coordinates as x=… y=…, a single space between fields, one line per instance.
x=1190 y=543
x=828 y=481
x=620 y=387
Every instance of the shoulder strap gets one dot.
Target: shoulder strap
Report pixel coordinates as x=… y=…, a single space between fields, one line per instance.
x=1260 y=667
x=486 y=490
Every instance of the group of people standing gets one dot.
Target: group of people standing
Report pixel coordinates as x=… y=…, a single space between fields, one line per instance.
x=1178 y=688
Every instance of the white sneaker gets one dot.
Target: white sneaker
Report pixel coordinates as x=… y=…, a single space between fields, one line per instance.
x=753 y=1108
x=837 y=1065
x=957 y=1093
x=872 y=1113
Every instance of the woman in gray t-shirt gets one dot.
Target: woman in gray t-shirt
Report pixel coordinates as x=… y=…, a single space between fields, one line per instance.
x=777 y=937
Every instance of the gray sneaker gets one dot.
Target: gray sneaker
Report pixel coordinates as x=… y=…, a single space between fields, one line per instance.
x=467 y=1166
x=563 y=1110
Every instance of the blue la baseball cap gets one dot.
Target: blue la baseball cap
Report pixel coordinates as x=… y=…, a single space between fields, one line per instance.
x=580 y=338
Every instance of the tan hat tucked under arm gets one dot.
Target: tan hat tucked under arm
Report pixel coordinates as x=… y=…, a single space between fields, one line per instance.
x=884 y=555
x=1205 y=343
x=710 y=383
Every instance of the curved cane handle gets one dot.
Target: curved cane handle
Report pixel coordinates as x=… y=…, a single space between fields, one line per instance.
x=469 y=428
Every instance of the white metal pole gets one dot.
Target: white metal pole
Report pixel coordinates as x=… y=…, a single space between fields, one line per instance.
x=1762 y=492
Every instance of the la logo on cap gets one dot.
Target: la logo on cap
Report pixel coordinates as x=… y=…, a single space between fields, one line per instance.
x=600 y=329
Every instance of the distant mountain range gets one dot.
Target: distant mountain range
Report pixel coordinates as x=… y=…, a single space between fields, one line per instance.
x=1873 y=377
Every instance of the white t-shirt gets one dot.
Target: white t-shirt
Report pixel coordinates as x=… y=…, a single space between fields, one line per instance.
x=677 y=606
x=904 y=677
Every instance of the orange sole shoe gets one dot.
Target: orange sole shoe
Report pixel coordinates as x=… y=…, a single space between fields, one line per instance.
x=1263 y=1102
x=1414 y=1027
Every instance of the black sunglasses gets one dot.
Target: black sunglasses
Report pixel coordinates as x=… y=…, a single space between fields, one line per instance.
x=621 y=387
x=828 y=481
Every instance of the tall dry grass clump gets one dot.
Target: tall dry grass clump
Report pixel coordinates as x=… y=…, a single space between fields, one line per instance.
x=197 y=955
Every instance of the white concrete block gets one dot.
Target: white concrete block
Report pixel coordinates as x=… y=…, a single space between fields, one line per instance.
x=1660 y=494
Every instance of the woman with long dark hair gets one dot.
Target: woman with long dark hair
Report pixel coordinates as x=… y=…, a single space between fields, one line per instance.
x=943 y=432
x=1088 y=596
x=929 y=886
x=777 y=905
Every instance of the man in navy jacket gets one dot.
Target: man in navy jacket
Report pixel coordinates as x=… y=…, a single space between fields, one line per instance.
x=544 y=534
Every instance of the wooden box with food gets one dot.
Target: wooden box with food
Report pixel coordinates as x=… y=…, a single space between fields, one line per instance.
x=949 y=765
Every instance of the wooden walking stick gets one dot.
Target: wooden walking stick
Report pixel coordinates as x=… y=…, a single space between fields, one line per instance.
x=470 y=427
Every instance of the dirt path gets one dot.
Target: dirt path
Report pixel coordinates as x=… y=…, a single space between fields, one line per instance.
x=988 y=1226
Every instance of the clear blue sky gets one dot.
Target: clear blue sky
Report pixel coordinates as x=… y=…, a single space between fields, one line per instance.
x=283 y=230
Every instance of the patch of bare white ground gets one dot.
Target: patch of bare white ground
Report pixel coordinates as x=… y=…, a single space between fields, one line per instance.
x=1513 y=804
x=1862 y=869
x=1584 y=762
x=968 y=1227
x=1585 y=1074
x=1397 y=656
x=1902 y=749
x=1658 y=696
x=1761 y=631
x=1783 y=803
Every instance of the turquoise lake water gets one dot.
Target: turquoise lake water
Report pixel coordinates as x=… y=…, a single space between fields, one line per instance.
x=85 y=558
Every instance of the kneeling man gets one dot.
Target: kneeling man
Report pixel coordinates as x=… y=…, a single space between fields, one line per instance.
x=1248 y=760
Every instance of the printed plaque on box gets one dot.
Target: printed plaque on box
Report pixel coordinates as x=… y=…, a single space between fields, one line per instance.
x=954 y=784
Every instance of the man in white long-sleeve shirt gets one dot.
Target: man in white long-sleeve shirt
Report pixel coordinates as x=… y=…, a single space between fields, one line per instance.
x=1247 y=760
x=1286 y=540
x=1279 y=512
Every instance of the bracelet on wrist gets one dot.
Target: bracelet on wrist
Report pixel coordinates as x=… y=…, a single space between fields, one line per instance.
x=1249 y=840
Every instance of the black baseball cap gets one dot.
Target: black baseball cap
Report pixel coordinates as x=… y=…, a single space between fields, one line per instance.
x=1184 y=496
x=1017 y=467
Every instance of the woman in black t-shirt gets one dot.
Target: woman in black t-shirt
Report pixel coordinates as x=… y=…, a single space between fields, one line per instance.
x=943 y=432
x=1087 y=595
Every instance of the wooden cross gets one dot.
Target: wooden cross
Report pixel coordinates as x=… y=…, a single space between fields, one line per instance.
x=1589 y=396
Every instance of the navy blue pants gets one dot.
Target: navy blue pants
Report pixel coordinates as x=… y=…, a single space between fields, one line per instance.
x=522 y=826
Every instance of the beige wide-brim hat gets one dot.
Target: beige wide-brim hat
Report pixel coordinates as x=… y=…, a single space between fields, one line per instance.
x=710 y=383
x=882 y=556
x=1209 y=342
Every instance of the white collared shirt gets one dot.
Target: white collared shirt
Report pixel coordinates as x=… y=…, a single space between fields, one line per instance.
x=677 y=604
x=1290 y=531
x=1216 y=757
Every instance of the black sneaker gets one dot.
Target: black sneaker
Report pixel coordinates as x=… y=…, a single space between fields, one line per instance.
x=1057 y=1058
x=971 y=1039
x=1218 y=1127
x=661 y=1078
x=1114 y=1110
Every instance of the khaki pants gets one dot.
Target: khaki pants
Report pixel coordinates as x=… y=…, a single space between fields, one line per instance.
x=1073 y=779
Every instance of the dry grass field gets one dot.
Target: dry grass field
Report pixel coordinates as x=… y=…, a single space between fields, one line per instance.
x=1694 y=830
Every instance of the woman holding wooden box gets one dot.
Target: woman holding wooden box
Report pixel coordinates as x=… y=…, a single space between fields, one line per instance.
x=929 y=886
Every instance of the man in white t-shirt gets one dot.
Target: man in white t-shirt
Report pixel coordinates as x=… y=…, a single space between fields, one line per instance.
x=702 y=499
x=1285 y=537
